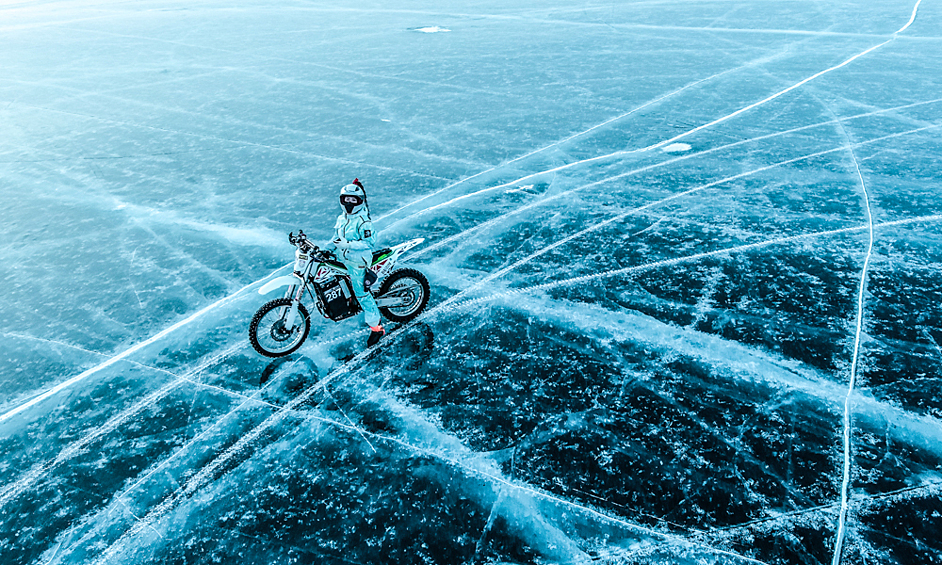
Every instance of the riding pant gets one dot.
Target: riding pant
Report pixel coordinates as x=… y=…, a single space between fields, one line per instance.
x=357 y=261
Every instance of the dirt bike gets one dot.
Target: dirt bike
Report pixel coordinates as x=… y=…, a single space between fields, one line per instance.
x=281 y=325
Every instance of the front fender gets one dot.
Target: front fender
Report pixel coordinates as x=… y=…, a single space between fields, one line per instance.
x=287 y=280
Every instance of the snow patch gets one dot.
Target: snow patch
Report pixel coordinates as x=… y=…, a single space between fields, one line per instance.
x=430 y=29
x=525 y=188
x=676 y=148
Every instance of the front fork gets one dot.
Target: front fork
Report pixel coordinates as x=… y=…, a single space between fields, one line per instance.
x=295 y=293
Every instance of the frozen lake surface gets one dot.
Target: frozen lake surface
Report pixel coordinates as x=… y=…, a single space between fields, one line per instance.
x=686 y=267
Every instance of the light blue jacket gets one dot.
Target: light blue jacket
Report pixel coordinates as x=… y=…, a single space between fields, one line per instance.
x=353 y=232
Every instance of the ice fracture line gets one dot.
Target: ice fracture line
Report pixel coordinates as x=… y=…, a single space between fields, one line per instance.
x=789 y=89
x=12 y=490
x=471 y=465
x=208 y=473
x=673 y=261
x=623 y=215
x=124 y=354
x=205 y=474
x=645 y=168
x=567 y=139
x=463 y=234
x=687 y=133
x=845 y=482
x=753 y=526
x=250 y=399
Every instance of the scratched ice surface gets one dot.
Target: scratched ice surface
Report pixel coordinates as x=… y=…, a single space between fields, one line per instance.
x=647 y=225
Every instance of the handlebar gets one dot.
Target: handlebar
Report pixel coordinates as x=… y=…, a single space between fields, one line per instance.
x=304 y=244
x=297 y=239
x=301 y=241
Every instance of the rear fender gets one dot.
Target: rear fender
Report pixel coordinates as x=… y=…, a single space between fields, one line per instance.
x=403 y=247
x=384 y=266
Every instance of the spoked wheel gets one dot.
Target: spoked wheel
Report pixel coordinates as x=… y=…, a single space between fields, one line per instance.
x=405 y=294
x=268 y=333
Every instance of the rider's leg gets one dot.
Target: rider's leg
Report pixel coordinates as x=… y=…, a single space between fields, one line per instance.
x=356 y=266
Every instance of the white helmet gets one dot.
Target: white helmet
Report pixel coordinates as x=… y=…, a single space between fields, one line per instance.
x=353 y=197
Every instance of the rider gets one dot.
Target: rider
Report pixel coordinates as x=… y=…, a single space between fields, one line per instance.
x=354 y=242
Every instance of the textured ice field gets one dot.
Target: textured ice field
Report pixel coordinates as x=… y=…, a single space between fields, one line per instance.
x=685 y=263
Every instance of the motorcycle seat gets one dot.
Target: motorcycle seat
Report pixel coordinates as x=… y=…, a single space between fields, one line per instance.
x=381 y=254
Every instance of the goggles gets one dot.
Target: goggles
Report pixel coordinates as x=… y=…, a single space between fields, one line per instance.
x=350 y=200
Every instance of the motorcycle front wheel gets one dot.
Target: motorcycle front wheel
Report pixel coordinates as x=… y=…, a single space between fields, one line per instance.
x=267 y=331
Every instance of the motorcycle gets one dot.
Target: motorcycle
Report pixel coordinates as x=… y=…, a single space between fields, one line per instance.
x=281 y=325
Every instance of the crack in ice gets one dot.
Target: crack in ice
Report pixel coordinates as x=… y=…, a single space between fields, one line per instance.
x=632 y=172
x=559 y=143
x=14 y=489
x=546 y=249
x=698 y=128
x=677 y=260
x=207 y=473
x=131 y=350
x=845 y=481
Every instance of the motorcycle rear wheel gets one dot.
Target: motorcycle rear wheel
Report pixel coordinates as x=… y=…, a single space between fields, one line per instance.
x=267 y=332
x=413 y=287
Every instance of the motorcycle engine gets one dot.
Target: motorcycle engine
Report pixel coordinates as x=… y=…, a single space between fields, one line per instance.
x=336 y=298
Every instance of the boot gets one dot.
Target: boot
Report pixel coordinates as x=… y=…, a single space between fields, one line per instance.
x=376 y=332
